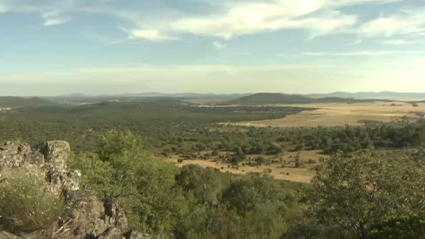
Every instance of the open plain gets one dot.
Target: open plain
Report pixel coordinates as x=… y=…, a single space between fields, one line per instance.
x=339 y=114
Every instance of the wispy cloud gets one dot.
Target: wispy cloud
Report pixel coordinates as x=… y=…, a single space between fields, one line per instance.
x=55 y=18
x=150 y=35
x=363 y=53
x=52 y=12
x=238 y=18
x=232 y=19
x=256 y=18
x=403 y=23
x=219 y=46
x=397 y=42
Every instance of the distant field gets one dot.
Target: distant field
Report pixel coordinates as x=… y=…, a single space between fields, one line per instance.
x=342 y=114
x=303 y=175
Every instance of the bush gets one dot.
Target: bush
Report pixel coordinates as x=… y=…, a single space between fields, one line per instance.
x=26 y=205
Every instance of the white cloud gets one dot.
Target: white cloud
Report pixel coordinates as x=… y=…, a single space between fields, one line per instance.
x=364 y=53
x=219 y=46
x=397 y=42
x=230 y=18
x=55 y=18
x=402 y=23
x=53 y=12
x=252 y=18
x=151 y=35
x=237 y=18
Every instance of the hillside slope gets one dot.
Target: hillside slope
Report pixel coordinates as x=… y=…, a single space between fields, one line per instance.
x=372 y=95
x=277 y=98
x=12 y=101
x=272 y=98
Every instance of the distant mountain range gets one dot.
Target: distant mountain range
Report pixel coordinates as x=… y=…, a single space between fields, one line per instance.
x=358 y=95
x=277 y=98
x=246 y=98
x=140 y=96
x=156 y=94
x=371 y=95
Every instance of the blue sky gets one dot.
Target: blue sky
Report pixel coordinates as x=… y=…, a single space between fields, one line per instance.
x=51 y=47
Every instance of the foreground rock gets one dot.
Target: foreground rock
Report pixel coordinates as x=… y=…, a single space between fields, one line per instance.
x=86 y=217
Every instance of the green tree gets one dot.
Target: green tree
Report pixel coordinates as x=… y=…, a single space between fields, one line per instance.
x=204 y=184
x=247 y=193
x=144 y=186
x=406 y=227
x=353 y=193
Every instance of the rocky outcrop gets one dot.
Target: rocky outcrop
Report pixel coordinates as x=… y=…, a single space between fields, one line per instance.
x=86 y=217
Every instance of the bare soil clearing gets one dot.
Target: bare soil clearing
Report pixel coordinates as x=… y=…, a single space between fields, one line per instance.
x=288 y=172
x=343 y=114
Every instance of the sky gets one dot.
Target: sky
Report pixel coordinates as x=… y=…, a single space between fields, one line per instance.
x=55 y=47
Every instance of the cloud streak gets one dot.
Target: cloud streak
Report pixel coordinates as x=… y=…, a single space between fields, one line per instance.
x=55 y=18
x=254 y=18
x=232 y=19
x=219 y=46
x=405 y=22
x=150 y=35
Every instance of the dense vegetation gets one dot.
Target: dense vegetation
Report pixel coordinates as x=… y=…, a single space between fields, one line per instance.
x=165 y=201
x=189 y=129
x=350 y=197
x=159 y=125
x=357 y=193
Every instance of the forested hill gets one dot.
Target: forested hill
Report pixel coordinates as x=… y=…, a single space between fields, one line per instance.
x=11 y=101
x=278 y=98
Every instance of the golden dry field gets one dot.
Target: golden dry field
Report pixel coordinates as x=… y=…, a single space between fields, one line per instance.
x=288 y=172
x=342 y=114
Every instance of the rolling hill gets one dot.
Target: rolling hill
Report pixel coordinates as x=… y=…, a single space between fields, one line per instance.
x=372 y=95
x=13 y=102
x=272 y=98
x=277 y=98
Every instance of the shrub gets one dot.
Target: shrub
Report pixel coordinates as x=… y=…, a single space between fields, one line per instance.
x=25 y=204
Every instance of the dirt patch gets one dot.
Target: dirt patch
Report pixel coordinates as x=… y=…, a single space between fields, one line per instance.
x=288 y=172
